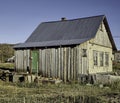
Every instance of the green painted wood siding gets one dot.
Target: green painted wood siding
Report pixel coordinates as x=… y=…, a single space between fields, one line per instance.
x=35 y=60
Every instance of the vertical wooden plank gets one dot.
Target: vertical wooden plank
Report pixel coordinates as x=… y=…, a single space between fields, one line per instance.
x=66 y=66
x=72 y=63
x=64 y=71
x=60 y=59
x=50 y=62
x=27 y=57
x=20 y=60
x=39 y=61
x=58 y=65
x=61 y=63
x=75 y=62
x=69 y=58
x=24 y=60
x=78 y=60
x=55 y=62
x=43 y=62
x=49 y=65
x=46 y=62
x=16 y=60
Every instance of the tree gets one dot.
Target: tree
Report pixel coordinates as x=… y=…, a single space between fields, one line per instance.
x=6 y=51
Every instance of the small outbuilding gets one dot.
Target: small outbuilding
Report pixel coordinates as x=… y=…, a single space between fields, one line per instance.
x=66 y=49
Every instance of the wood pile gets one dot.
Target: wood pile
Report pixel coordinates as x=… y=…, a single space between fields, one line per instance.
x=5 y=75
x=51 y=80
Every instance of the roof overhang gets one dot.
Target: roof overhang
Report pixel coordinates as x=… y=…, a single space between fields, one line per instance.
x=109 y=34
x=51 y=43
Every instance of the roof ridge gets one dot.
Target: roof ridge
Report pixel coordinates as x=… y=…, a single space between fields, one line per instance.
x=74 y=19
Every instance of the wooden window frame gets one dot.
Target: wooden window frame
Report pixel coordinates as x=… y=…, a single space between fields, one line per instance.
x=101 y=58
x=95 y=57
x=106 y=59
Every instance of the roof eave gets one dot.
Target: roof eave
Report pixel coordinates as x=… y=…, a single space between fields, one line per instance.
x=109 y=34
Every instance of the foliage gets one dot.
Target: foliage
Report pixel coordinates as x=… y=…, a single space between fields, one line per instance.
x=116 y=65
x=6 y=51
x=115 y=86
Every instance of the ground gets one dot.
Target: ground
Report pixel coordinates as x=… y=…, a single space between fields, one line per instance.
x=59 y=93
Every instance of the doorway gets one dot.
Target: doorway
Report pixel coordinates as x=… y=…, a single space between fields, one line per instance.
x=35 y=61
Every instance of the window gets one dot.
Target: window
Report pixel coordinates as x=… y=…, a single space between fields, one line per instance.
x=84 y=52
x=95 y=57
x=101 y=58
x=101 y=27
x=106 y=59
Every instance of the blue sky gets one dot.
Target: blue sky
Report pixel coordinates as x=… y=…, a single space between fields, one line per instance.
x=19 y=18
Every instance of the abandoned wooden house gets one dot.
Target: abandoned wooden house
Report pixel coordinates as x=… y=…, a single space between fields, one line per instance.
x=66 y=49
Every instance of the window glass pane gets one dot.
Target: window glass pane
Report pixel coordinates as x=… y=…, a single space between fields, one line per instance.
x=84 y=52
x=95 y=57
x=106 y=59
x=101 y=58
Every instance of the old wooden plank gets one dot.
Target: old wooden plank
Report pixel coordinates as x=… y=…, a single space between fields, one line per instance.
x=53 y=62
x=43 y=62
x=69 y=58
x=50 y=63
x=24 y=60
x=56 y=62
x=64 y=64
x=40 y=62
x=59 y=62
x=71 y=69
x=46 y=62
x=74 y=61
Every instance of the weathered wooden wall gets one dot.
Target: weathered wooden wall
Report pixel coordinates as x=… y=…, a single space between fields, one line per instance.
x=101 y=43
x=22 y=59
x=60 y=62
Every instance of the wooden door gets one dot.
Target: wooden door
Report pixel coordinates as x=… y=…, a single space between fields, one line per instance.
x=35 y=61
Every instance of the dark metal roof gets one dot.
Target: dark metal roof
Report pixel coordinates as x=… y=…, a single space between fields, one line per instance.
x=65 y=32
x=52 y=43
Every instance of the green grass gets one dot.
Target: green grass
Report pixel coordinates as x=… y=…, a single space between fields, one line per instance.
x=61 y=93
x=7 y=65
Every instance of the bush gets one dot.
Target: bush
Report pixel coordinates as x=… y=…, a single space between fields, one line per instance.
x=115 y=85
